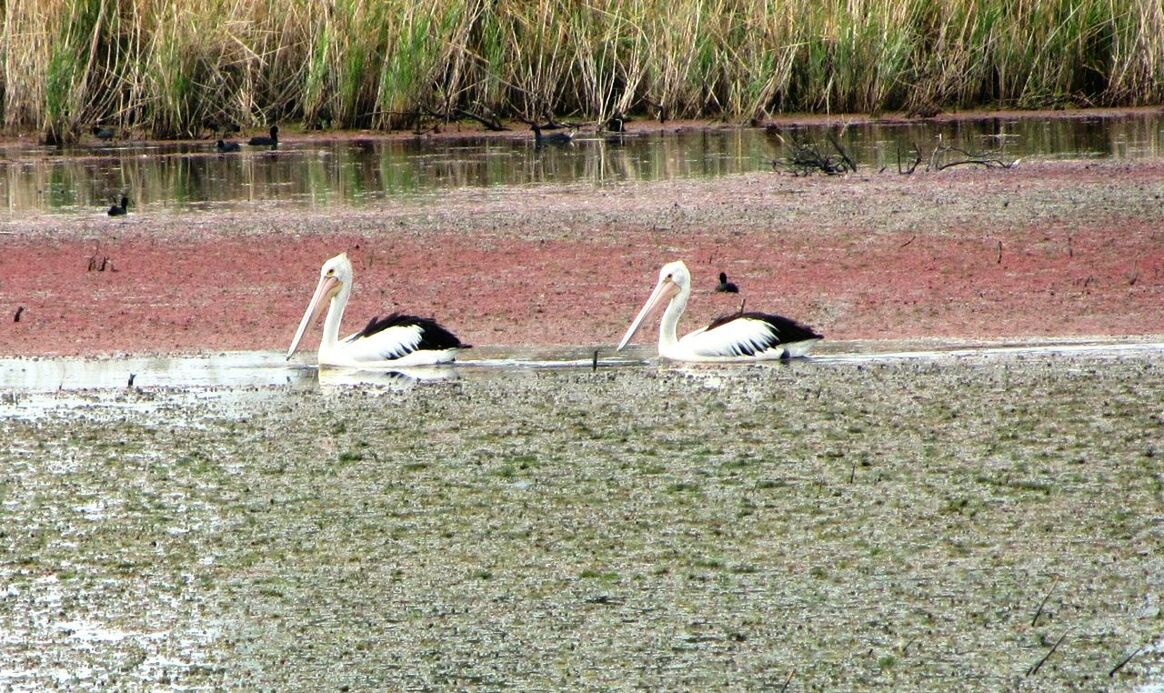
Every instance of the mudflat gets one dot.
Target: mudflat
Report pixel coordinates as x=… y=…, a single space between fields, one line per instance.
x=1047 y=249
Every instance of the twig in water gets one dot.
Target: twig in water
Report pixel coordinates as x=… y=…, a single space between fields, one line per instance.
x=999 y=260
x=19 y=310
x=787 y=681
x=843 y=152
x=1037 y=665
x=806 y=158
x=1124 y=661
x=594 y=363
x=976 y=159
x=911 y=240
x=1039 y=611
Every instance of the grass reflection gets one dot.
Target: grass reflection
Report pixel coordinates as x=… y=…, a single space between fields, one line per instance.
x=192 y=175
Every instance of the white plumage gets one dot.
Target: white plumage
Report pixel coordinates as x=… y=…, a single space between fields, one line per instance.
x=393 y=341
x=741 y=337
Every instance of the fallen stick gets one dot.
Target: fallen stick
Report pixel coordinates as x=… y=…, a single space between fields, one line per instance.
x=1035 y=669
x=1124 y=661
x=1043 y=603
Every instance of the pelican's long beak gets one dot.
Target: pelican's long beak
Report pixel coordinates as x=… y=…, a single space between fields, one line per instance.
x=664 y=291
x=327 y=288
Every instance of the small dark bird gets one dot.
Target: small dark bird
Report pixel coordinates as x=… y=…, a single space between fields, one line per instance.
x=224 y=146
x=103 y=133
x=261 y=141
x=552 y=138
x=726 y=287
x=120 y=210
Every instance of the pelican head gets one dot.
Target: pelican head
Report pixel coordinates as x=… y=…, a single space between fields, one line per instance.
x=673 y=289
x=335 y=278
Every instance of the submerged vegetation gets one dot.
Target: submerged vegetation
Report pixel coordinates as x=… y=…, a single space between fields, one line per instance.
x=179 y=68
x=909 y=525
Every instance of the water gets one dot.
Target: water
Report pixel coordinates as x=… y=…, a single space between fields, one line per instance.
x=189 y=176
x=252 y=369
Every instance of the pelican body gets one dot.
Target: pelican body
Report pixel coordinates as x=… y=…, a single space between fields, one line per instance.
x=741 y=337
x=394 y=341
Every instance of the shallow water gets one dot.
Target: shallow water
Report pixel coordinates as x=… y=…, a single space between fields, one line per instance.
x=189 y=176
x=251 y=369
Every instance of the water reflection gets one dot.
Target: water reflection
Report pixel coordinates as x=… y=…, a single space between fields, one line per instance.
x=231 y=369
x=266 y=369
x=193 y=175
x=270 y=368
x=397 y=379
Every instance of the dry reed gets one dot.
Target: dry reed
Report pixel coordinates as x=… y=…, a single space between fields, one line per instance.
x=175 y=68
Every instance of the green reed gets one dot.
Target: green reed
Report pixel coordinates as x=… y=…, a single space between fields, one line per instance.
x=169 y=68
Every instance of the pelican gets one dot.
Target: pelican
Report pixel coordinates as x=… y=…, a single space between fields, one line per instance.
x=390 y=342
x=739 y=337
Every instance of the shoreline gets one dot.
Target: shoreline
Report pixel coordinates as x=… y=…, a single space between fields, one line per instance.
x=516 y=129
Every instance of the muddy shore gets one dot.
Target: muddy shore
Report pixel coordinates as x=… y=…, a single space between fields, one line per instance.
x=1046 y=249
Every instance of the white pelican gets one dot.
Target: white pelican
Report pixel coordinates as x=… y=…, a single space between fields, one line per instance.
x=740 y=337
x=393 y=341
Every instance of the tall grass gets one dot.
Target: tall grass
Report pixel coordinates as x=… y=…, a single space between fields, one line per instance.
x=171 y=68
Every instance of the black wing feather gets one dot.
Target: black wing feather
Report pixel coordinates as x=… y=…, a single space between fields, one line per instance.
x=432 y=335
x=784 y=331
